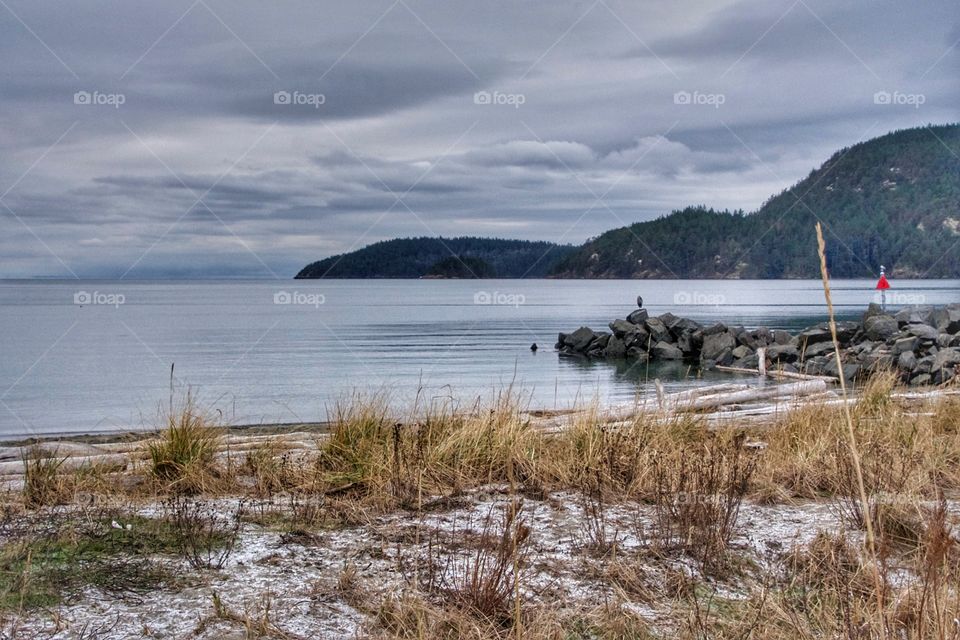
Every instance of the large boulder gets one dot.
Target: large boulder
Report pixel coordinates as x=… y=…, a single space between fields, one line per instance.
x=850 y=369
x=668 y=319
x=682 y=326
x=923 y=331
x=947 y=319
x=873 y=309
x=638 y=317
x=666 y=351
x=599 y=344
x=907 y=361
x=781 y=337
x=915 y=315
x=621 y=328
x=638 y=353
x=690 y=342
x=813 y=335
x=714 y=345
x=741 y=352
x=818 y=349
x=946 y=358
x=616 y=348
x=657 y=330
x=580 y=339
x=909 y=343
x=637 y=338
x=714 y=329
x=782 y=353
x=880 y=327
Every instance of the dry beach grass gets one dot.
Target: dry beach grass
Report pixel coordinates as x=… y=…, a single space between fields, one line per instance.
x=478 y=524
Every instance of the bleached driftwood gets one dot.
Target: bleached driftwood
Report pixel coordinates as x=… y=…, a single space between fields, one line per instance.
x=702 y=399
x=775 y=373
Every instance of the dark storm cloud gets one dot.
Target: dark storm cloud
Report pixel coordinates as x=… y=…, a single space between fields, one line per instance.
x=242 y=138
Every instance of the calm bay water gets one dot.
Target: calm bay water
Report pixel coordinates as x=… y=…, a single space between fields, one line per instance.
x=93 y=356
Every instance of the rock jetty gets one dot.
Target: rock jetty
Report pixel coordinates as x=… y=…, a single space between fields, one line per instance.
x=922 y=344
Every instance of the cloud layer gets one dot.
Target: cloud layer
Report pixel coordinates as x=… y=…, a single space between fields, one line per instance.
x=209 y=138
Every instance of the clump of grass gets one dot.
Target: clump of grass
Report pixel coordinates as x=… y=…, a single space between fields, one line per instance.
x=203 y=537
x=371 y=454
x=699 y=492
x=273 y=469
x=183 y=454
x=43 y=482
x=487 y=582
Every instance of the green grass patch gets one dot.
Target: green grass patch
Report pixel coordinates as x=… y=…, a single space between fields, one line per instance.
x=53 y=568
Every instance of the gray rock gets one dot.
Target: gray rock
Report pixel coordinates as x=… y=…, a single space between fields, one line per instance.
x=915 y=315
x=907 y=361
x=850 y=369
x=750 y=361
x=742 y=351
x=762 y=336
x=944 y=340
x=948 y=357
x=668 y=319
x=925 y=364
x=846 y=331
x=781 y=337
x=715 y=329
x=943 y=375
x=947 y=319
x=682 y=326
x=666 y=351
x=690 y=343
x=746 y=339
x=922 y=331
x=818 y=349
x=616 y=348
x=782 y=353
x=638 y=353
x=905 y=344
x=922 y=379
x=873 y=309
x=638 y=317
x=715 y=344
x=598 y=345
x=637 y=338
x=814 y=335
x=879 y=361
x=725 y=358
x=815 y=366
x=621 y=328
x=880 y=327
x=580 y=339
x=656 y=329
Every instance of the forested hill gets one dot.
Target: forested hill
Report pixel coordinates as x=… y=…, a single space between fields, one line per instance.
x=443 y=257
x=893 y=200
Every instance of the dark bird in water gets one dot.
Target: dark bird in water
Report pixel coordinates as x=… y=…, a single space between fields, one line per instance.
x=640 y=301
x=533 y=347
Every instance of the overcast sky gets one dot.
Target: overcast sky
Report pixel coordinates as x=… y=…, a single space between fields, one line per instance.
x=206 y=138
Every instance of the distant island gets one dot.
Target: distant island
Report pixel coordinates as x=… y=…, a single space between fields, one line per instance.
x=893 y=200
x=431 y=257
